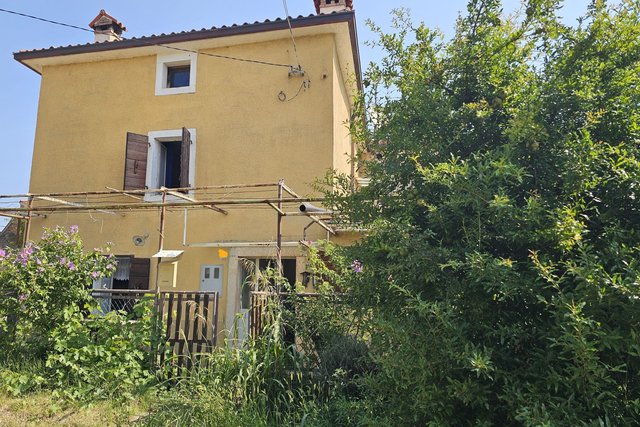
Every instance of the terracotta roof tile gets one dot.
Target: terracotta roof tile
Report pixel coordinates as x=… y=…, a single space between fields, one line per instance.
x=146 y=37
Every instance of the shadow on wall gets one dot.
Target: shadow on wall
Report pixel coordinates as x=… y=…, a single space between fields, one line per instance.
x=11 y=235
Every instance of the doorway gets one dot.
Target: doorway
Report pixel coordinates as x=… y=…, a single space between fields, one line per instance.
x=211 y=278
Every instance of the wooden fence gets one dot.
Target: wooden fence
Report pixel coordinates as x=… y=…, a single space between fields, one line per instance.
x=260 y=300
x=189 y=319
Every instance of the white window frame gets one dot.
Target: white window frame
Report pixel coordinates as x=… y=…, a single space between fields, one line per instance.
x=164 y=62
x=154 y=159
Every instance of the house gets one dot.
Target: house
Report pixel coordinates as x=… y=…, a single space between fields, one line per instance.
x=161 y=124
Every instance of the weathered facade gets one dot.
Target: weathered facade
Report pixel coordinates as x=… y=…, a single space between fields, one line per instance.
x=195 y=109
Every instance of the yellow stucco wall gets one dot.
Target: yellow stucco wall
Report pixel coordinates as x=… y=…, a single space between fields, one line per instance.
x=245 y=134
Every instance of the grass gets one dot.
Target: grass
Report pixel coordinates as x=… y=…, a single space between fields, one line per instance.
x=41 y=409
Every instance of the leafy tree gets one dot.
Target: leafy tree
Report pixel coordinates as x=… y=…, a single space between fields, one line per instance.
x=500 y=274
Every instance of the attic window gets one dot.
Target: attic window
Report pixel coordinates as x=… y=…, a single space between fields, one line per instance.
x=176 y=74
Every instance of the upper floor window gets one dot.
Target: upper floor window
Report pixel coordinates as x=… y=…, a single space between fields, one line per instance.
x=176 y=74
x=160 y=159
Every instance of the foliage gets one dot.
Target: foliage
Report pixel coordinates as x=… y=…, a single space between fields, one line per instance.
x=39 y=282
x=264 y=382
x=103 y=356
x=21 y=376
x=49 y=319
x=500 y=271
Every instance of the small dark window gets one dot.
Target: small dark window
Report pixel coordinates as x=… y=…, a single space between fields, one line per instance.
x=170 y=164
x=178 y=76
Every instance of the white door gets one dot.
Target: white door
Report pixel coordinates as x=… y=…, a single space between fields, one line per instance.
x=211 y=279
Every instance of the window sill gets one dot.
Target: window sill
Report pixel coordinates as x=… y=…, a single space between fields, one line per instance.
x=175 y=90
x=157 y=197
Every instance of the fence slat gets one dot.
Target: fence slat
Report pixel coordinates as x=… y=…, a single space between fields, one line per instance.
x=178 y=344
x=197 y=326
x=205 y=316
x=191 y=319
x=187 y=330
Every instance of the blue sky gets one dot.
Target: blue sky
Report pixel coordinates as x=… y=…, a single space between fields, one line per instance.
x=145 y=17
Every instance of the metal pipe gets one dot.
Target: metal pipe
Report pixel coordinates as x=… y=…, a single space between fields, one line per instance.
x=153 y=205
x=233 y=244
x=191 y=199
x=141 y=191
x=184 y=229
x=65 y=202
x=279 y=229
x=13 y=216
x=160 y=243
x=27 y=229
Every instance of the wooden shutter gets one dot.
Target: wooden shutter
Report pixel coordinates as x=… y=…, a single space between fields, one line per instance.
x=135 y=169
x=184 y=158
x=139 y=273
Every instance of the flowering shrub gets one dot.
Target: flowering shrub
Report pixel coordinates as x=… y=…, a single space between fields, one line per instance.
x=37 y=284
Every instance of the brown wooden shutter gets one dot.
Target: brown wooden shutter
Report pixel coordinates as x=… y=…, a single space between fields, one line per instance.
x=139 y=273
x=135 y=169
x=184 y=158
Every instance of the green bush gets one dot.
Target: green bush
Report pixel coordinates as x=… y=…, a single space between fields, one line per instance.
x=499 y=276
x=22 y=375
x=38 y=283
x=103 y=356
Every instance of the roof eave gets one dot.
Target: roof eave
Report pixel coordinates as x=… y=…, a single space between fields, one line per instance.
x=300 y=22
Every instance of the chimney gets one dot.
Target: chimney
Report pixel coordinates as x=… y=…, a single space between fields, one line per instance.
x=329 y=6
x=106 y=28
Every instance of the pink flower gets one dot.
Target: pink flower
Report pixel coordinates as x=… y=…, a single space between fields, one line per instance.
x=2 y=253
x=22 y=297
x=356 y=266
x=73 y=229
x=95 y=274
x=110 y=267
x=23 y=256
x=71 y=266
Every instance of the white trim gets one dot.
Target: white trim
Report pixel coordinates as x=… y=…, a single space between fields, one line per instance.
x=233 y=312
x=154 y=159
x=163 y=62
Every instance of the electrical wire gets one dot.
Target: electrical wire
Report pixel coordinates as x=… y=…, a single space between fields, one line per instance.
x=233 y=58
x=45 y=20
x=295 y=48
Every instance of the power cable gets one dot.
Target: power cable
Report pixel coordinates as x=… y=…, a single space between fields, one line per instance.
x=233 y=58
x=45 y=20
x=295 y=48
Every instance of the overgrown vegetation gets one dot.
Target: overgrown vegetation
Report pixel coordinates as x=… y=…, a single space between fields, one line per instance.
x=53 y=334
x=498 y=281
x=501 y=264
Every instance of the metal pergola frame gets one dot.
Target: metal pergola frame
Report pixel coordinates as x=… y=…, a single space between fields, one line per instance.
x=181 y=198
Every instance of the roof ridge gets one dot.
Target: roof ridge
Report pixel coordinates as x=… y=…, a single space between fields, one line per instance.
x=119 y=43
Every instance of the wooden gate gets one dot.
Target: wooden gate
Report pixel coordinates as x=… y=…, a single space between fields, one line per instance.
x=188 y=320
